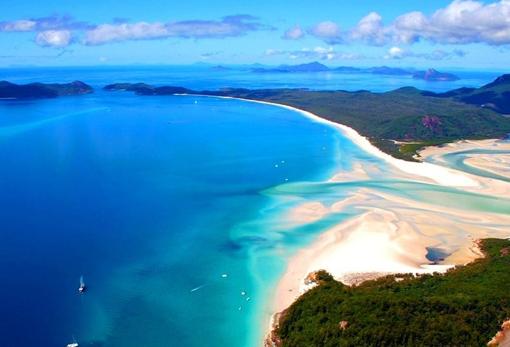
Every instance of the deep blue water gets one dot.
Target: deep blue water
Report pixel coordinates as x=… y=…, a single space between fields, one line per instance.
x=153 y=200
x=143 y=197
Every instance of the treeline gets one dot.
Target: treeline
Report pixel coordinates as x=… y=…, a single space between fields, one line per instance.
x=464 y=307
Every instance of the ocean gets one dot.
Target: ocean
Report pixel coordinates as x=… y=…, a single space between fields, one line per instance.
x=172 y=208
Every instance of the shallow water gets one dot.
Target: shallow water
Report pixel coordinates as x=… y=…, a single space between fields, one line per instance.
x=170 y=207
x=456 y=160
x=151 y=200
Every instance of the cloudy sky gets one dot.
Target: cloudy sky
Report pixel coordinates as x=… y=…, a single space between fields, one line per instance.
x=422 y=33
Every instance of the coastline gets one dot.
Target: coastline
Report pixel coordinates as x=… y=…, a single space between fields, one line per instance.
x=403 y=229
x=431 y=172
x=390 y=236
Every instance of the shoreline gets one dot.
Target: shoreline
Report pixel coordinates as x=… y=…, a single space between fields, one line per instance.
x=403 y=229
x=499 y=166
x=435 y=173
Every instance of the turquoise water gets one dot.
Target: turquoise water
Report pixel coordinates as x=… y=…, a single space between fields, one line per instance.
x=457 y=160
x=170 y=207
x=152 y=200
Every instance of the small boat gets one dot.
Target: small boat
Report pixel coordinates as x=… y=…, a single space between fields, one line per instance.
x=82 y=287
x=73 y=344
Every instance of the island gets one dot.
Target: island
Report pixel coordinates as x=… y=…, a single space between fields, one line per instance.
x=10 y=90
x=434 y=75
x=219 y=68
x=308 y=67
x=463 y=307
x=430 y=75
x=398 y=122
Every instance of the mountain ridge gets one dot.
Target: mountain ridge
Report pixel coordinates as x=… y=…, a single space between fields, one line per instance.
x=430 y=75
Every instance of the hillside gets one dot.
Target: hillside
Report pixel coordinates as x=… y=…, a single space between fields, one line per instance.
x=464 y=307
x=42 y=90
x=403 y=115
x=495 y=95
x=406 y=114
x=434 y=75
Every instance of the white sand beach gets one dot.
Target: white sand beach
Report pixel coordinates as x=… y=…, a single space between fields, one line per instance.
x=391 y=234
x=496 y=163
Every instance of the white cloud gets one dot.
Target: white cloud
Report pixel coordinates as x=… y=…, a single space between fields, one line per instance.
x=395 y=53
x=18 y=25
x=229 y=26
x=370 y=29
x=461 y=22
x=39 y=24
x=53 y=38
x=120 y=32
x=405 y=28
x=437 y=54
x=470 y=21
x=316 y=53
x=56 y=31
x=294 y=33
x=328 y=31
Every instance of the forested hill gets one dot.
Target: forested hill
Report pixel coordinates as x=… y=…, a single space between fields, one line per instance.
x=10 y=90
x=464 y=307
x=404 y=115
x=495 y=95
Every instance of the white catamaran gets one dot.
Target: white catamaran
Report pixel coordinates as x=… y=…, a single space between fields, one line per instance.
x=82 y=287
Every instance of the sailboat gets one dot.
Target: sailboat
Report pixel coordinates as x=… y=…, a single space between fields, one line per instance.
x=73 y=344
x=82 y=287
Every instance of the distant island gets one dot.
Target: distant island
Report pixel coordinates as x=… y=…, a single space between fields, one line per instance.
x=220 y=68
x=42 y=90
x=399 y=122
x=434 y=75
x=431 y=75
x=309 y=67
x=464 y=307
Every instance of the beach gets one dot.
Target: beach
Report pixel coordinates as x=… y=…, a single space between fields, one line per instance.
x=491 y=155
x=176 y=192
x=448 y=211
x=391 y=234
x=217 y=187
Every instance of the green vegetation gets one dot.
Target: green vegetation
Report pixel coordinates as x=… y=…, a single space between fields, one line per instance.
x=408 y=150
x=495 y=95
x=405 y=114
x=464 y=307
x=43 y=90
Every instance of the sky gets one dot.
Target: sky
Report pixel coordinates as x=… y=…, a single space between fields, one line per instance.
x=409 y=33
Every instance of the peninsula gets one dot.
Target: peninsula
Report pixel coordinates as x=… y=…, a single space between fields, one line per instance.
x=398 y=122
